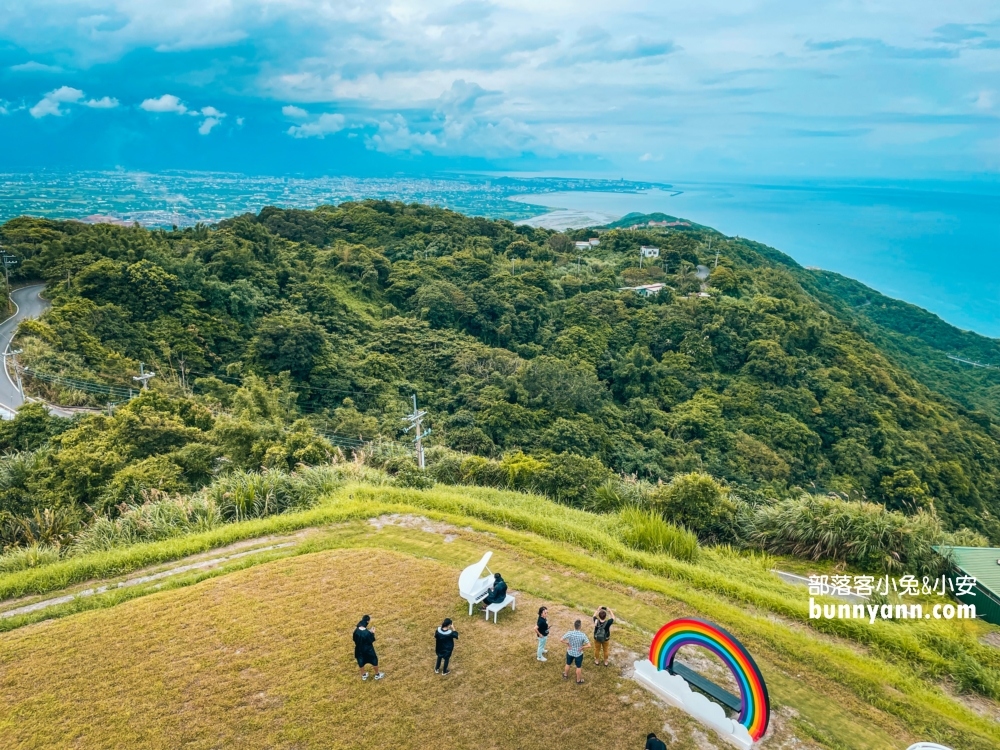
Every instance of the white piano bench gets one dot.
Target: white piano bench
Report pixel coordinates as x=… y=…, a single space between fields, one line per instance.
x=495 y=608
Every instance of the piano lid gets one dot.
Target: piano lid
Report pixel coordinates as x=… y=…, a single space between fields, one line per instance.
x=469 y=576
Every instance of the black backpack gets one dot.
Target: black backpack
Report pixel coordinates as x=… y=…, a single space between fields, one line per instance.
x=601 y=629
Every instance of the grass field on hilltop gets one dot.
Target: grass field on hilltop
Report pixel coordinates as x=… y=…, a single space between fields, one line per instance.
x=262 y=658
x=259 y=656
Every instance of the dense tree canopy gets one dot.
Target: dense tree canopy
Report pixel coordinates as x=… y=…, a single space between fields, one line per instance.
x=755 y=370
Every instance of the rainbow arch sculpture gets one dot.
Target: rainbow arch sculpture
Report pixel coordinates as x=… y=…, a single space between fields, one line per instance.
x=755 y=708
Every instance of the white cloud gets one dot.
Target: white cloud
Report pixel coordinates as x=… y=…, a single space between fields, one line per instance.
x=324 y=125
x=651 y=157
x=395 y=135
x=170 y=104
x=105 y=102
x=206 y=127
x=165 y=103
x=297 y=113
x=702 y=84
x=984 y=100
x=50 y=104
x=35 y=67
x=239 y=122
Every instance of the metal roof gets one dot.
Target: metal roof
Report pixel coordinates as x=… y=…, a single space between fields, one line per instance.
x=983 y=563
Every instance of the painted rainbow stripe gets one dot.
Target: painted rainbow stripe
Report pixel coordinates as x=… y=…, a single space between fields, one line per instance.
x=755 y=708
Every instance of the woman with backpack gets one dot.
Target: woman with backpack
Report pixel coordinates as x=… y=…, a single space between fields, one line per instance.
x=604 y=618
x=444 y=643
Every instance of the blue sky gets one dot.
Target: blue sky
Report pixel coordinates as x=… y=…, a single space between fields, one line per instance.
x=666 y=90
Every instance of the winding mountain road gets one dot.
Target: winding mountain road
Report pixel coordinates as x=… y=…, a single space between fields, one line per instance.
x=29 y=305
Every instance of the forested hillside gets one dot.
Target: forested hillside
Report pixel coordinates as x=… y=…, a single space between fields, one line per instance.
x=765 y=375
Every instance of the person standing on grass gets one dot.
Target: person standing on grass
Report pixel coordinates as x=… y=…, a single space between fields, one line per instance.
x=576 y=641
x=604 y=618
x=364 y=648
x=444 y=643
x=654 y=743
x=542 y=631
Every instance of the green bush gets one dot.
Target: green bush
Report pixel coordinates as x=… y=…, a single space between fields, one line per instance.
x=483 y=472
x=51 y=526
x=159 y=518
x=644 y=529
x=697 y=502
x=28 y=557
x=129 y=485
x=523 y=472
x=866 y=534
x=247 y=494
x=444 y=465
x=572 y=479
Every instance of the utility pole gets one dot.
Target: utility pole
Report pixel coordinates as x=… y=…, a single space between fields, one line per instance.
x=17 y=371
x=8 y=261
x=415 y=420
x=143 y=376
x=183 y=375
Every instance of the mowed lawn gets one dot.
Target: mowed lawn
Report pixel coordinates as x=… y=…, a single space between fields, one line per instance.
x=262 y=658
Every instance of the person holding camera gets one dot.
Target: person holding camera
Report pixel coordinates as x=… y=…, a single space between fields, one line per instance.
x=604 y=618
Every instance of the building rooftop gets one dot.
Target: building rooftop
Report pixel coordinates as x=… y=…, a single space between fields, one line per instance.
x=982 y=563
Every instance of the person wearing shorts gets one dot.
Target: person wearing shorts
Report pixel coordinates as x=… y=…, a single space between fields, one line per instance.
x=576 y=641
x=364 y=648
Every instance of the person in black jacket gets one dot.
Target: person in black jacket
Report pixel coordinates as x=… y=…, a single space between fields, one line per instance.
x=654 y=743
x=498 y=591
x=364 y=648
x=444 y=643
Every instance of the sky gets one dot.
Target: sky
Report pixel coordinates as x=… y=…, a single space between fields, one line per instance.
x=661 y=90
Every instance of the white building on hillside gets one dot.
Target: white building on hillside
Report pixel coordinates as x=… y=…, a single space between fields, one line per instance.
x=645 y=290
x=582 y=245
x=648 y=251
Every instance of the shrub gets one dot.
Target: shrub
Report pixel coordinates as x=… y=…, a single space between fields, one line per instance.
x=866 y=534
x=16 y=469
x=523 y=472
x=618 y=492
x=28 y=557
x=248 y=494
x=572 y=479
x=159 y=517
x=444 y=465
x=697 y=502
x=51 y=526
x=644 y=529
x=153 y=473
x=483 y=472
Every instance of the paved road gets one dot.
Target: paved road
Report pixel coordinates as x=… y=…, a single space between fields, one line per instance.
x=29 y=305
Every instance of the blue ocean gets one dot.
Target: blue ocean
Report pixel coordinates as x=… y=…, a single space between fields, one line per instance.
x=935 y=245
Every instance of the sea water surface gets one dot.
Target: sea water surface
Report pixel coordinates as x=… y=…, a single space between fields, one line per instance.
x=935 y=245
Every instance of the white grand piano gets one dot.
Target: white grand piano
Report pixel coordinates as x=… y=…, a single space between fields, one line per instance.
x=472 y=585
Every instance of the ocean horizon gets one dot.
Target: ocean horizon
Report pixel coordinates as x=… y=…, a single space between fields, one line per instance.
x=935 y=245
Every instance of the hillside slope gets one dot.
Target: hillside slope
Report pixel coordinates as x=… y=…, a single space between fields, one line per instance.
x=257 y=653
x=761 y=374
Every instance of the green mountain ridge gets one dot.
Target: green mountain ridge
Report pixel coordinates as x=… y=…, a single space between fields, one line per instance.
x=775 y=378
